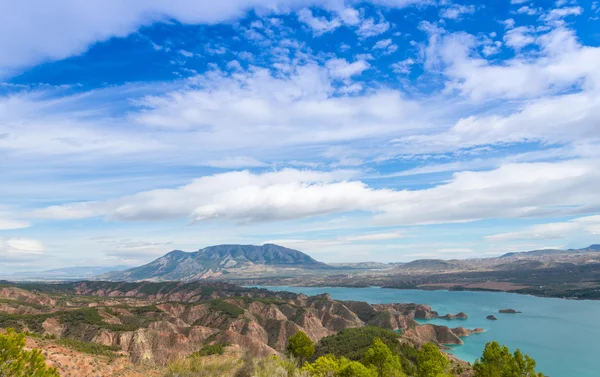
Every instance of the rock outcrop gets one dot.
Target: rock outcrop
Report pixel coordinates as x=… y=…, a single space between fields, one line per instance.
x=460 y=315
x=462 y=332
x=417 y=311
x=491 y=317
x=508 y=311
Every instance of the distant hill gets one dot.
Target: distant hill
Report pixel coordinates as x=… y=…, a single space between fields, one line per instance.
x=427 y=264
x=217 y=261
x=545 y=252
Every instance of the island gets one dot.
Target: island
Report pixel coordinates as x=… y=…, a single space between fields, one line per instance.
x=508 y=311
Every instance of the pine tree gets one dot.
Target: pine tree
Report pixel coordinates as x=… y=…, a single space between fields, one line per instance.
x=385 y=362
x=15 y=361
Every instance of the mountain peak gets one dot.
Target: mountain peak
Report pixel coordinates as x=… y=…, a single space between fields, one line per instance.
x=218 y=260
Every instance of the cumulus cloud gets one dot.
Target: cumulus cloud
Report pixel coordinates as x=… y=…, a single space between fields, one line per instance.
x=537 y=190
x=563 y=63
x=371 y=28
x=520 y=37
x=340 y=68
x=18 y=250
x=457 y=11
x=382 y=44
x=319 y=25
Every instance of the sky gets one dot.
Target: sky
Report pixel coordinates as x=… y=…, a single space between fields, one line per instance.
x=379 y=130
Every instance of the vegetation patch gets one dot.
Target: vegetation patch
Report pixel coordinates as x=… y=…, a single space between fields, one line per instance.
x=88 y=347
x=354 y=343
x=32 y=322
x=232 y=310
x=211 y=349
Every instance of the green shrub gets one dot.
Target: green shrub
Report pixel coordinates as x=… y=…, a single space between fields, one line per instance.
x=211 y=349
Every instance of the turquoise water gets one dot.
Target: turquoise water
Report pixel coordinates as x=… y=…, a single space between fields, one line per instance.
x=563 y=336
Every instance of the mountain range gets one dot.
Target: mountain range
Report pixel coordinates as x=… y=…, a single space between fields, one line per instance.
x=246 y=262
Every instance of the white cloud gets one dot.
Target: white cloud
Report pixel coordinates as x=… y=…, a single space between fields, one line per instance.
x=527 y=10
x=236 y=163
x=38 y=31
x=319 y=25
x=350 y=16
x=373 y=237
x=369 y=28
x=560 y=13
x=520 y=37
x=9 y=224
x=457 y=11
x=537 y=190
x=561 y=64
x=340 y=68
x=206 y=118
x=403 y=67
x=19 y=250
x=129 y=248
x=186 y=53
x=589 y=224
x=382 y=44
x=561 y=119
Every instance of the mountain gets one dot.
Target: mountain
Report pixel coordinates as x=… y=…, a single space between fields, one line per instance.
x=546 y=252
x=216 y=261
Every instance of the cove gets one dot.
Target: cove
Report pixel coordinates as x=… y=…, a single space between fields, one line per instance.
x=563 y=336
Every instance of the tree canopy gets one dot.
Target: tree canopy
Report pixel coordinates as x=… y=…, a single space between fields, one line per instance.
x=432 y=363
x=15 y=361
x=385 y=362
x=300 y=346
x=497 y=361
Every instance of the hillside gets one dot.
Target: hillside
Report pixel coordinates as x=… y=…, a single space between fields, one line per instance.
x=220 y=261
x=156 y=323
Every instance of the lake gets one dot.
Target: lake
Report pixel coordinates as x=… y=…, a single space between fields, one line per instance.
x=563 y=336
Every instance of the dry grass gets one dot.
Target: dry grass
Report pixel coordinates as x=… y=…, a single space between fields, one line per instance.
x=206 y=366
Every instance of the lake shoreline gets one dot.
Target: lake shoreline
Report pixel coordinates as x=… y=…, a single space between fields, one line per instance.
x=440 y=288
x=572 y=321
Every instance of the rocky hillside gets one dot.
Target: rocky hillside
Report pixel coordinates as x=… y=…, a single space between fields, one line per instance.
x=220 y=261
x=158 y=322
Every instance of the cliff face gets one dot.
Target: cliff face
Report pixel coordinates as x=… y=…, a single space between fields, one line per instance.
x=158 y=323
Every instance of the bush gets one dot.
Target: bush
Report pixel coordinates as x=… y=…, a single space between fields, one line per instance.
x=211 y=349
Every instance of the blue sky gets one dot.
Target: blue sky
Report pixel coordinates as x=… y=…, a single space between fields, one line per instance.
x=384 y=130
